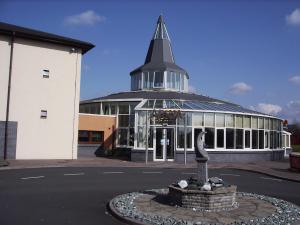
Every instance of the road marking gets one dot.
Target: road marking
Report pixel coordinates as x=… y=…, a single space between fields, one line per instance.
x=188 y=173
x=73 y=174
x=269 y=178
x=153 y=172
x=113 y=172
x=27 y=178
x=229 y=174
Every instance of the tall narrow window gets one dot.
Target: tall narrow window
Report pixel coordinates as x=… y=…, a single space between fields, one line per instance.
x=220 y=138
x=210 y=137
x=261 y=139
x=229 y=138
x=158 y=79
x=239 y=137
x=46 y=73
x=254 y=139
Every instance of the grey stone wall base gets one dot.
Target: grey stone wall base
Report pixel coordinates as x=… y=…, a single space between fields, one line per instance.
x=218 y=156
x=140 y=155
x=12 y=139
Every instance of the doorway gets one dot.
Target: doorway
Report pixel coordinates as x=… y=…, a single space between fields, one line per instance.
x=164 y=150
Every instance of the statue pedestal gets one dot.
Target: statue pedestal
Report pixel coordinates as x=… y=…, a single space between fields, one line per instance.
x=202 y=173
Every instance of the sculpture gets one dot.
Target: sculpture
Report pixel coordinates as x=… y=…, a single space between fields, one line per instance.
x=201 y=153
x=201 y=158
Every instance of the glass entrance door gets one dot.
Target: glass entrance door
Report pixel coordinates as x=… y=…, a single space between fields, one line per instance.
x=164 y=144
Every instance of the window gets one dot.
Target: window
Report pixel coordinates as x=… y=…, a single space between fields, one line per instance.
x=209 y=119
x=266 y=139
x=210 y=138
x=131 y=136
x=254 y=139
x=229 y=120
x=43 y=114
x=220 y=138
x=266 y=123
x=90 y=137
x=239 y=121
x=123 y=121
x=158 y=79
x=260 y=123
x=123 y=109
x=197 y=119
x=46 y=73
x=220 y=120
x=254 y=123
x=261 y=139
x=247 y=120
x=181 y=81
x=113 y=109
x=247 y=138
x=122 y=136
x=239 y=138
x=180 y=120
x=180 y=137
x=230 y=138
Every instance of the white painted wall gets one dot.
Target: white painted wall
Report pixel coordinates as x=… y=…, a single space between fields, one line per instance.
x=4 y=70
x=56 y=136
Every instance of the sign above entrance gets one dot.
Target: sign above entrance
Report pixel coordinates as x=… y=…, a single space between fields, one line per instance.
x=166 y=116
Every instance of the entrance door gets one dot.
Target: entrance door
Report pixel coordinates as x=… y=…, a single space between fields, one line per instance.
x=247 y=136
x=164 y=144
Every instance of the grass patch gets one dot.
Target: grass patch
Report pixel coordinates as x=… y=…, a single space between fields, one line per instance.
x=296 y=148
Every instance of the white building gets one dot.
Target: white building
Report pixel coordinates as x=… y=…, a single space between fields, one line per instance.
x=39 y=93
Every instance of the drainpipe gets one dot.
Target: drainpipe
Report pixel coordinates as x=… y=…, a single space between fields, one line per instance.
x=8 y=96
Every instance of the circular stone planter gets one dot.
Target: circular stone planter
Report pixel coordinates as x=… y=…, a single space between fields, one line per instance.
x=222 y=198
x=155 y=207
x=295 y=161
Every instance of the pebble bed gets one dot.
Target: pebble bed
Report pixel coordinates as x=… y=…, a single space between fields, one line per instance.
x=286 y=212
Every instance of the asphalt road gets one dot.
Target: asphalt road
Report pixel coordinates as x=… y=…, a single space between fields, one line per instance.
x=61 y=196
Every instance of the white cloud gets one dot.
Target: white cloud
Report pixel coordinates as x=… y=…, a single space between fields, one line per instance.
x=293 y=18
x=292 y=111
x=240 y=88
x=267 y=108
x=88 y=17
x=295 y=80
x=192 y=89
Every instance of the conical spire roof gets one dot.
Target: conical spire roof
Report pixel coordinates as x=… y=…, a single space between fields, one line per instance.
x=160 y=55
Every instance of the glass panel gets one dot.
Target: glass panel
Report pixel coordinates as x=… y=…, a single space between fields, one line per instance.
x=141 y=137
x=113 y=109
x=177 y=81
x=181 y=81
x=197 y=119
x=261 y=139
x=159 y=146
x=229 y=120
x=180 y=120
x=123 y=120
x=105 y=108
x=169 y=80
x=220 y=120
x=260 y=123
x=146 y=80
x=122 y=136
x=124 y=109
x=151 y=77
x=287 y=140
x=173 y=74
x=246 y=123
x=131 y=136
x=266 y=139
x=142 y=118
x=266 y=123
x=254 y=122
x=209 y=119
x=83 y=136
x=220 y=138
x=254 y=139
x=239 y=138
x=158 y=79
x=210 y=138
x=150 y=138
x=229 y=138
x=180 y=137
x=239 y=121
x=247 y=138
x=97 y=136
x=131 y=120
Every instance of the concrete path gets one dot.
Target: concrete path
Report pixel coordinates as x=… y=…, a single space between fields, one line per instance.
x=277 y=169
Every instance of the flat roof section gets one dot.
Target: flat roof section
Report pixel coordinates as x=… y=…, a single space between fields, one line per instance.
x=27 y=33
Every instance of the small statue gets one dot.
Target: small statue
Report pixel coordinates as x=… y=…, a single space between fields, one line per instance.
x=201 y=152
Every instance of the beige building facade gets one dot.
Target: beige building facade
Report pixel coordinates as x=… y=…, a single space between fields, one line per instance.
x=39 y=93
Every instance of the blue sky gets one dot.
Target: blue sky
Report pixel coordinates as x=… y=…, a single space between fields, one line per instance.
x=247 y=52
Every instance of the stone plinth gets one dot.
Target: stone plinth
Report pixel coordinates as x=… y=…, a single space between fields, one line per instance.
x=223 y=198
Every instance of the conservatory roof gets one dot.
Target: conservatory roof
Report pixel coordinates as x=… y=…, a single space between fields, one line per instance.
x=193 y=105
